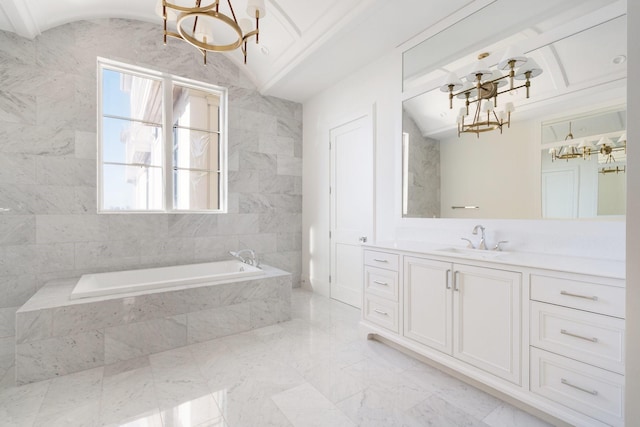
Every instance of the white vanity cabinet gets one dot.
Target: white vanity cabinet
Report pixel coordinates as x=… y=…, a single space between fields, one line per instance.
x=545 y=330
x=381 y=291
x=577 y=343
x=472 y=313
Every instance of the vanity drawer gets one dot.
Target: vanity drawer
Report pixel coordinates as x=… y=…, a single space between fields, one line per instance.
x=381 y=312
x=587 y=337
x=587 y=296
x=381 y=282
x=584 y=388
x=381 y=259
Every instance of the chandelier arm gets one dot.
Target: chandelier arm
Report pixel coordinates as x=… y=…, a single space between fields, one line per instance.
x=476 y=116
x=190 y=9
x=195 y=22
x=509 y=90
x=232 y=12
x=257 y=26
x=172 y=34
x=164 y=22
x=250 y=34
x=497 y=93
x=244 y=50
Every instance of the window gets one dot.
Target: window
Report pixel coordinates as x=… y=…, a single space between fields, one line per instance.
x=161 y=143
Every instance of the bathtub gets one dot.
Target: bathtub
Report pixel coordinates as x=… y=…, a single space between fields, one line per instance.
x=121 y=282
x=70 y=325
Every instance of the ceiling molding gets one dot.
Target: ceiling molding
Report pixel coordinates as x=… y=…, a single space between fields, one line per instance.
x=21 y=18
x=286 y=17
x=314 y=44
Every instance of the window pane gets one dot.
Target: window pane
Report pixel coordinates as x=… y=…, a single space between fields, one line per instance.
x=195 y=190
x=131 y=188
x=193 y=149
x=124 y=141
x=196 y=109
x=127 y=95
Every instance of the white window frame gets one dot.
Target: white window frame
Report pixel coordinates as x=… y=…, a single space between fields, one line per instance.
x=167 y=129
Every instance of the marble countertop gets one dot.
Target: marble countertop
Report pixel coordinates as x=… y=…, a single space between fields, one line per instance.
x=592 y=266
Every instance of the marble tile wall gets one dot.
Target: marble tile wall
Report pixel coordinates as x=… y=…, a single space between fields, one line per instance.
x=56 y=336
x=48 y=167
x=423 y=173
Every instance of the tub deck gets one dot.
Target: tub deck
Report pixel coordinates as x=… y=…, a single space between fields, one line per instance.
x=56 y=335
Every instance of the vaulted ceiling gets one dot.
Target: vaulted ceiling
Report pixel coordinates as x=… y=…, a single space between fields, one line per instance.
x=305 y=46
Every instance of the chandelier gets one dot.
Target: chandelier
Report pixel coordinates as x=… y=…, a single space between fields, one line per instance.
x=196 y=25
x=605 y=147
x=482 y=88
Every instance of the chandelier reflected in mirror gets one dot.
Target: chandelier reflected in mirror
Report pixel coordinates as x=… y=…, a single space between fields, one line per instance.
x=482 y=88
x=213 y=27
x=587 y=146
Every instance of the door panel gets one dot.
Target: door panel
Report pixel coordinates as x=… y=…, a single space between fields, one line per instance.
x=352 y=189
x=486 y=317
x=560 y=193
x=427 y=298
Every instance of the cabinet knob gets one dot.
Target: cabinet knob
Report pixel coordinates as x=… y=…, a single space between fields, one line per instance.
x=363 y=239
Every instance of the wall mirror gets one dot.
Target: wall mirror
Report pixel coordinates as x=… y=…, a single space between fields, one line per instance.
x=580 y=46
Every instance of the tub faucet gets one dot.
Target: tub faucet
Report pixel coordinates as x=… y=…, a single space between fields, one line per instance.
x=482 y=245
x=251 y=259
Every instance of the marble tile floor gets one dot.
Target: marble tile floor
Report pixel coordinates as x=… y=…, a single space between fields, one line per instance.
x=315 y=370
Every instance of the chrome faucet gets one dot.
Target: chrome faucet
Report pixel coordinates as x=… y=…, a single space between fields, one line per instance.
x=252 y=258
x=482 y=245
x=469 y=243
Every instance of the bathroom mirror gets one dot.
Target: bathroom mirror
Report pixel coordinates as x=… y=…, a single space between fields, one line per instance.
x=581 y=48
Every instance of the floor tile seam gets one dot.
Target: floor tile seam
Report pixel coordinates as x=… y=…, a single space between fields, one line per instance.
x=455 y=404
x=153 y=390
x=44 y=395
x=382 y=391
x=3 y=378
x=76 y=404
x=479 y=422
x=336 y=403
x=333 y=404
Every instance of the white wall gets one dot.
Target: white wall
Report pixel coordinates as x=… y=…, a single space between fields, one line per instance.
x=374 y=90
x=496 y=172
x=632 y=410
x=379 y=84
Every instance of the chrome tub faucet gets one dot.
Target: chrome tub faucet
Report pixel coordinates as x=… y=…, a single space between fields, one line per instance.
x=247 y=256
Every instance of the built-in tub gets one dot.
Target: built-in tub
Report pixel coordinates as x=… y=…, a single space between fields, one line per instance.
x=57 y=333
x=119 y=282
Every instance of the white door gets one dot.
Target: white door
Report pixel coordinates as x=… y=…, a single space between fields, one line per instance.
x=352 y=189
x=560 y=193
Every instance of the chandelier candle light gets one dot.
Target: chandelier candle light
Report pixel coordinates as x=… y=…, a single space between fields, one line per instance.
x=196 y=25
x=483 y=87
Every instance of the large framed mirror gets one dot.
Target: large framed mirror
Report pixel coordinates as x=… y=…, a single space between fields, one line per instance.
x=580 y=46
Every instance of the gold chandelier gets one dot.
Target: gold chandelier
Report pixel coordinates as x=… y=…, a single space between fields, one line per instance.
x=483 y=87
x=196 y=25
x=585 y=148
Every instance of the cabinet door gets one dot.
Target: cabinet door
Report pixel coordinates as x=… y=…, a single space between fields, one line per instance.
x=427 y=302
x=487 y=319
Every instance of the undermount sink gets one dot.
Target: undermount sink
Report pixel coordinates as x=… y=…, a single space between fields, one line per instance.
x=475 y=253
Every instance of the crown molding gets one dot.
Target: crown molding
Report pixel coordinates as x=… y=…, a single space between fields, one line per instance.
x=20 y=17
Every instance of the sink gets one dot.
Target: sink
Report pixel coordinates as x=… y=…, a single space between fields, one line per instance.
x=472 y=253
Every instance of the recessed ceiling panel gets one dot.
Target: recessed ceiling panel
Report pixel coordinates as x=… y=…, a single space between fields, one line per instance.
x=305 y=14
x=597 y=53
